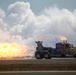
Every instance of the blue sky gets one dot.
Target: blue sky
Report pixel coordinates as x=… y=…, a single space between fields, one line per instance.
x=38 y=5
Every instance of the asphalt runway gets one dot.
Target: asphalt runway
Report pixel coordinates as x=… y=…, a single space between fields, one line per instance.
x=39 y=61
x=39 y=73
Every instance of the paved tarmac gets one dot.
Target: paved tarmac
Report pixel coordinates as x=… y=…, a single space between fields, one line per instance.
x=39 y=61
x=39 y=73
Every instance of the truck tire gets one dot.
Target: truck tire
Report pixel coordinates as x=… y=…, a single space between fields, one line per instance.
x=38 y=56
x=74 y=55
x=47 y=56
x=63 y=55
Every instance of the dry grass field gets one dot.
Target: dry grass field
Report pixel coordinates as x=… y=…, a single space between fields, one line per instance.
x=37 y=67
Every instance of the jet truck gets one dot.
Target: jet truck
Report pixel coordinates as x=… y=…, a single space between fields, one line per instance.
x=62 y=49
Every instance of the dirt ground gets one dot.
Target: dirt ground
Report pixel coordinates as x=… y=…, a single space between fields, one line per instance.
x=37 y=67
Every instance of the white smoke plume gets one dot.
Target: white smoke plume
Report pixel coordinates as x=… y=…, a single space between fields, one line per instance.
x=19 y=24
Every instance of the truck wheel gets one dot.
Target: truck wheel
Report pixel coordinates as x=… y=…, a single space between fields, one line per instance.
x=38 y=56
x=75 y=55
x=46 y=56
x=63 y=55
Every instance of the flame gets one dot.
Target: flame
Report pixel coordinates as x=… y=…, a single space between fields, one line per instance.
x=9 y=50
x=53 y=37
x=62 y=38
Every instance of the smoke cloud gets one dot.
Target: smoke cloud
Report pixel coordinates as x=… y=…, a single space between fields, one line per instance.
x=19 y=24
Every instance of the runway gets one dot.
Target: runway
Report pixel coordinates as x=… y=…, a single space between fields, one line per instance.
x=39 y=73
x=39 y=61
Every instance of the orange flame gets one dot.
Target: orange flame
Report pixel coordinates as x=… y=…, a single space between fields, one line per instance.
x=9 y=50
x=53 y=37
x=62 y=38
